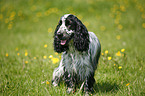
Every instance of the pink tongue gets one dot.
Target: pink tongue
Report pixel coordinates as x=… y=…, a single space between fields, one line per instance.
x=63 y=42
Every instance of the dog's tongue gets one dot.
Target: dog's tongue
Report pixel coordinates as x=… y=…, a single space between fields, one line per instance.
x=63 y=42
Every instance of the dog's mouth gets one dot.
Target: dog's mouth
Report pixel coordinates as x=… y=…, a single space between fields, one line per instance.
x=63 y=42
x=66 y=39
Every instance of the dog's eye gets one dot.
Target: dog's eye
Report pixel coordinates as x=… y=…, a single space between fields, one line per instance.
x=68 y=22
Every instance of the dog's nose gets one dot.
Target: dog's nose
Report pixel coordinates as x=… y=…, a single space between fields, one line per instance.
x=60 y=35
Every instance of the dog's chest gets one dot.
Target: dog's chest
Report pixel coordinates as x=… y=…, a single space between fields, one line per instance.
x=72 y=61
x=77 y=63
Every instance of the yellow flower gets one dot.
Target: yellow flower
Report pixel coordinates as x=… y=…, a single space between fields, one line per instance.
x=39 y=14
x=17 y=49
x=47 y=13
x=106 y=52
x=122 y=8
x=122 y=50
x=10 y=26
x=7 y=54
x=118 y=16
x=120 y=67
x=34 y=57
x=26 y=62
x=102 y=54
x=141 y=8
x=45 y=45
x=116 y=21
x=18 y=54
x=33 y=8
x=44 y=57
x=114 y=64
x=50 y=56
x=12 y=15
x=47 y=82
x=20 y=13
x=6 y=20
x=50 y=30
x=143 y=16
x=120 y=27
x=26 y=53
x=109 y=58
x=127 y=84
x=35 y=19
x=102 y=28
x=51 y=10
x=56 y=53
x=118 y=53
x=143 y=25
x=118 y=37
x=115 y=7
x=1 y=16
x=55 y=60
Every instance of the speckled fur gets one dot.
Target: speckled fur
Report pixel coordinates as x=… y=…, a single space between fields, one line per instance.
x=78 y=65
x=78 y=62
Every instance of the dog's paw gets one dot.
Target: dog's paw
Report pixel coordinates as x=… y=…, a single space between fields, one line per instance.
x=69 y=90
x=54 y=83
x=87 y=94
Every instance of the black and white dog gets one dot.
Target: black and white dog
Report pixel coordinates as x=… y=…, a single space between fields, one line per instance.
x=81 y=51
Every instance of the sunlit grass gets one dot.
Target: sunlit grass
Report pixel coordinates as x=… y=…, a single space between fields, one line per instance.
x=27 y=58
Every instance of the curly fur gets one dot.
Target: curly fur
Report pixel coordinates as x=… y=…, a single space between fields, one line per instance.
x=57 y=47
x=81 y=36
x=81 y=51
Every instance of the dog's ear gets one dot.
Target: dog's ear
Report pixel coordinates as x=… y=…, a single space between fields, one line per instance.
x=57 y=46
x=81 y=36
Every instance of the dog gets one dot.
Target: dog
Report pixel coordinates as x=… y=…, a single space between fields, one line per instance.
x=81 y=51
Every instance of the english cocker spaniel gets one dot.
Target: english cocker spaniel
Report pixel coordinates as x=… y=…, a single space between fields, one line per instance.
x=81 y=51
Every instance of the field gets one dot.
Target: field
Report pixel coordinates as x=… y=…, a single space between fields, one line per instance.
x=27 y=58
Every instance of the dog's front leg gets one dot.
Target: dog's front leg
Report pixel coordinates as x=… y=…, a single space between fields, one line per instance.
x=69 y=82
x=88 y=85
x=58 y=74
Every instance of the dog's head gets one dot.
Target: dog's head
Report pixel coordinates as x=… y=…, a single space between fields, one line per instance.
x=68 y=28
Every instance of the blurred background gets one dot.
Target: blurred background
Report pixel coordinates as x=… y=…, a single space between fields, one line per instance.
x=109 y=19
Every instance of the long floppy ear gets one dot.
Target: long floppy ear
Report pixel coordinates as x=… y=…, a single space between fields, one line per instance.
x=81 y=36
x=57 y=46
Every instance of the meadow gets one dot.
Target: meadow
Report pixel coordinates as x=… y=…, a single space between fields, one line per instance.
x=27 y=58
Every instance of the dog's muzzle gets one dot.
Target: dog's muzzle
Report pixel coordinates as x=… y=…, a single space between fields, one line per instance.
x=63 y=38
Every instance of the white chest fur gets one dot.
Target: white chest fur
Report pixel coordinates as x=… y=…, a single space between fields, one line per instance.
x=77 y=62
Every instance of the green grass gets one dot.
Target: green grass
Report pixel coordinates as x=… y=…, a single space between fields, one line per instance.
x=119 y=24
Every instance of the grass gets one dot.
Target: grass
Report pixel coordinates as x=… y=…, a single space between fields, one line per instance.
x=27 y=58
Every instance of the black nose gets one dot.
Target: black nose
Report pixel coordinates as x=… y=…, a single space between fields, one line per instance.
x=60 y=35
